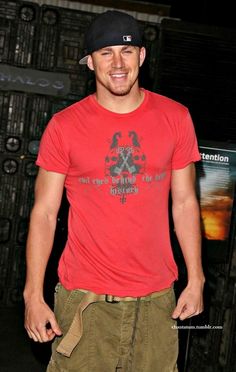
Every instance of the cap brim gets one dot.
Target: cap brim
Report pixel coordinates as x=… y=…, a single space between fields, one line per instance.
x=83 y=61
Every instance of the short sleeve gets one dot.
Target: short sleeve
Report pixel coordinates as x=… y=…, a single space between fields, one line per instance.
x=53 y=150
x=186 y=149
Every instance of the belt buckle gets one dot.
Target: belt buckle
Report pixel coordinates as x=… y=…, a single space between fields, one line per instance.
x=110 y=299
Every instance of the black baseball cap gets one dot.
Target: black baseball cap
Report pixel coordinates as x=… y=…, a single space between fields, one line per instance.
x=111 y=28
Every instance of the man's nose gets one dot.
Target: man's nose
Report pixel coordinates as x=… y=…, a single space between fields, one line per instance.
x=117 y=61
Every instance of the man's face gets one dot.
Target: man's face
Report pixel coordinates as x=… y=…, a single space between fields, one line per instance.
x=116 y=68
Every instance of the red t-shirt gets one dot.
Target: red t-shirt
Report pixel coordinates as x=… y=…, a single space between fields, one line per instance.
x=118 y=169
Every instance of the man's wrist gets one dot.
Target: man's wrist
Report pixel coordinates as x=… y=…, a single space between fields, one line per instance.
x=30 y=294
x=197 y=280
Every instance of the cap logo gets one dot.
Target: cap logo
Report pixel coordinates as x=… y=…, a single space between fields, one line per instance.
x=127 y=38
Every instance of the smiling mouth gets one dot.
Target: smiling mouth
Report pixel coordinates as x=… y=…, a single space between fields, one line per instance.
x=118 y=75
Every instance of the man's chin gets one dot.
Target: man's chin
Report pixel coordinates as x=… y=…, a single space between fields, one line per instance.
x=120 y=92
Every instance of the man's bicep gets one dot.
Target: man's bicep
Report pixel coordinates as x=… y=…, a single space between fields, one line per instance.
x=48 y=190
x=183 y=183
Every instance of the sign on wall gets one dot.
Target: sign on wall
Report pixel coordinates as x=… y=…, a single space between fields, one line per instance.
x=34 y=81
x=216 y=188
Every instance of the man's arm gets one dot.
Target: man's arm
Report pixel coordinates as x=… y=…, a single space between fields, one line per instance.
x=186 y=217
x=40 y=321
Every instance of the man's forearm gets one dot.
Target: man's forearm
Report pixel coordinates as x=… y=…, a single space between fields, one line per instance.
x=187 y=227
x=39 y=246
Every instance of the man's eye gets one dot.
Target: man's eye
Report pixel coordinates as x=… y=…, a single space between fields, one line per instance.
x=128 y=51
x=105 y=53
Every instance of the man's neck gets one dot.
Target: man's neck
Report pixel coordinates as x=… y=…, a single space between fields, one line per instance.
x=121 y=104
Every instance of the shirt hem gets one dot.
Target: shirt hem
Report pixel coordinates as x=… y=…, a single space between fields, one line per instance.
x=121 y=293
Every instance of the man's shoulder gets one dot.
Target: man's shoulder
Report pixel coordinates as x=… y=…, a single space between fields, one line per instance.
x=162 y=102
x=70 y=111
x=65 y=120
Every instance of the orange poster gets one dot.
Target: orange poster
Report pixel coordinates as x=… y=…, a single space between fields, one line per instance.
x=216 y=186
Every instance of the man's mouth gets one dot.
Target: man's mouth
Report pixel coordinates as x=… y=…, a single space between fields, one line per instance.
x=118 y=75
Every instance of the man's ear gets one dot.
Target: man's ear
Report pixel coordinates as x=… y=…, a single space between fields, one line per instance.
x=142 y=55
x=90 y=63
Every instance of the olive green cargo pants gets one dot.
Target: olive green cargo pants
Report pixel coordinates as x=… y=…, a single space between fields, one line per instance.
x=127 y=336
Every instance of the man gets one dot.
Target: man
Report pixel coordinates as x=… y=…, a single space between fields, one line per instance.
x=118 y=152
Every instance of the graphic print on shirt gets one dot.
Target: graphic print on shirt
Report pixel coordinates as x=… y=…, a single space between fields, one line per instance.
x=123 y=162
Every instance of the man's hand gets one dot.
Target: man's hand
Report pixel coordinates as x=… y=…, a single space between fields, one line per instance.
x=190 y=302
x=40 y=322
